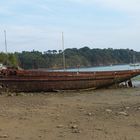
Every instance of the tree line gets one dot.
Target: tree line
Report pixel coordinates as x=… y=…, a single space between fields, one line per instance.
x=83 y=57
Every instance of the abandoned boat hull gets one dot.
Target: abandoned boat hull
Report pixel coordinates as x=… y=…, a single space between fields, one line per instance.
x=43 y=85
x=36 y=81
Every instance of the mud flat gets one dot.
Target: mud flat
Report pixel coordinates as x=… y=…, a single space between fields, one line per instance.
x=109 y=114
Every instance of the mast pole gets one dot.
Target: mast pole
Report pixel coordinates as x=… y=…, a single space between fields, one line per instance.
x=6 y=46
x=5 y=41
x=64 y=61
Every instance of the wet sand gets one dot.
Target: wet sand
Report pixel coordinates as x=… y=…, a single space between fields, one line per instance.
x=107 y=114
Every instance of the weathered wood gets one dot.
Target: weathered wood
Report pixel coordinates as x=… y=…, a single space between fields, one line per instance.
x=33 y=81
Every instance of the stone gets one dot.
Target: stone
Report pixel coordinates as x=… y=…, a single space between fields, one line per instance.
x=108 y=110
x=60 y=126
x=76 y=131
x=123 y=113
x=74 y=126
x=127 y=107
x=89 y=114
x=3 y=136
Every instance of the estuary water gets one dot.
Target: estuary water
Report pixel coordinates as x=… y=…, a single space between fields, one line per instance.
x=106 y=68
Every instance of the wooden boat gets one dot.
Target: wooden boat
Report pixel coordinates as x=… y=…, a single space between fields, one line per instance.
x=35 y=81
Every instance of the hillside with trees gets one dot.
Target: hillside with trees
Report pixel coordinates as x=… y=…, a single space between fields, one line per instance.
x=9 y=59
x=83 y=57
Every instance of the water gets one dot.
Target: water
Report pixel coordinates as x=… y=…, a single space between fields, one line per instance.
x=106 y=68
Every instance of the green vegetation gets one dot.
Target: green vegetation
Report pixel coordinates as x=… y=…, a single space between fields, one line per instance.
x=9 y=59
x=83 y=57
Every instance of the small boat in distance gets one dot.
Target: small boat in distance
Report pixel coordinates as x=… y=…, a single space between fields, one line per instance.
x=15 y=80
x=134 y=64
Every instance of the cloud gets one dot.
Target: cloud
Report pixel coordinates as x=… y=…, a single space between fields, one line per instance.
x=131 y=6
x=21 y=38
x=23 y=7
x=35 y=24
x=120 y=5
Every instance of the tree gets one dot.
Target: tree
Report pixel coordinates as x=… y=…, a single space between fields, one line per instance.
x=54 y=51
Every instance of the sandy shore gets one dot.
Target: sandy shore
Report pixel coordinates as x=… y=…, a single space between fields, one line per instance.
x=109 y=114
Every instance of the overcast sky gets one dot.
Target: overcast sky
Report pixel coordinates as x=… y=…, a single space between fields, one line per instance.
x=38 y=24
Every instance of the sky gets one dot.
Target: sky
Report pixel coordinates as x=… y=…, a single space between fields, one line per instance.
x=38 y=24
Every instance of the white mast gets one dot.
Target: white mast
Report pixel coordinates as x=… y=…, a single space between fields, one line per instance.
x=5 y=42
x=64 y=61
x=6 y=47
